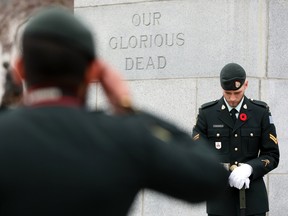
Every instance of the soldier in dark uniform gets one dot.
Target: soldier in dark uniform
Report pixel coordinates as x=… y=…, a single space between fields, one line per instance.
x=58 y=158
x=242 y=133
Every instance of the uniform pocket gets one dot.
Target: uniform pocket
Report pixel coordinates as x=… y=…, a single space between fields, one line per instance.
x=219 y=139
x=251 y=139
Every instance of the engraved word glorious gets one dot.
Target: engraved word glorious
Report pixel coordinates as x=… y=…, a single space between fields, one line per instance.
x=146 y=41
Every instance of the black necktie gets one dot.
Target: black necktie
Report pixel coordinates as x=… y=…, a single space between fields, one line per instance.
x=233 y=114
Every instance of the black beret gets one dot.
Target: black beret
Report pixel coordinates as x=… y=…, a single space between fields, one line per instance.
x=232 y=76
x=59 y=25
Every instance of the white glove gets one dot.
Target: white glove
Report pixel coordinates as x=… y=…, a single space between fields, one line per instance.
x=240 y=176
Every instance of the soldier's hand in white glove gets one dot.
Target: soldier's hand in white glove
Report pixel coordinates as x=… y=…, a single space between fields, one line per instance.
x=240 y=176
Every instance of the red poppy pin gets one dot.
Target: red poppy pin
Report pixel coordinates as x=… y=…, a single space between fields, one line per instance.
x=243 y=117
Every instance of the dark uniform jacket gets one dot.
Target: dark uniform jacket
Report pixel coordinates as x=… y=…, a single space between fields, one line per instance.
x=64 y=160
x=251 y=140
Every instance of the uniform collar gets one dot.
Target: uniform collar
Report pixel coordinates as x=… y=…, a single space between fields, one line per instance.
x=49 y=96
x=238 y=107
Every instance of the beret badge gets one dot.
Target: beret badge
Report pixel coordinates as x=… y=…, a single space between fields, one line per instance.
x=237 y=84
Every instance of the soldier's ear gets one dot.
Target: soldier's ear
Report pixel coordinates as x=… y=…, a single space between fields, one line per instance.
x=246 y=84
x=18 y=72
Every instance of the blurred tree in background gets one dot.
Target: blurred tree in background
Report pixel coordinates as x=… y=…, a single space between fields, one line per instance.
x=15 y=12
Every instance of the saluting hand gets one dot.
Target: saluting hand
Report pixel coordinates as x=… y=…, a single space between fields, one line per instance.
x=115 y=88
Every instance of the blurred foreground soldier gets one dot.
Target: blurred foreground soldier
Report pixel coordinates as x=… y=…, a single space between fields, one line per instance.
x=58 y=158
x=241 y=131
x=12 y=92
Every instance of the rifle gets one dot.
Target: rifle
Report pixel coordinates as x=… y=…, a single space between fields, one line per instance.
x=242 y=196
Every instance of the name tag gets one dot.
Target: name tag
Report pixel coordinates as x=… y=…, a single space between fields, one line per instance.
x=218 y=126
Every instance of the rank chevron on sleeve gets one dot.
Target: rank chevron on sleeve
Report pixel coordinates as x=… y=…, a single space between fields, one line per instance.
x=273 y=138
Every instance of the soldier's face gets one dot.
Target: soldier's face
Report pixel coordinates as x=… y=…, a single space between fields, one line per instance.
x=234 y=97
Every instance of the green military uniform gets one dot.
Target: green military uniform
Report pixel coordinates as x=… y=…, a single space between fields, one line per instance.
x=57 y=158
x=61 y=159
x=251 y=140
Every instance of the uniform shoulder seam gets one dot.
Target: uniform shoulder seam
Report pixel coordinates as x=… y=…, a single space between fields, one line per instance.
x=209 y=104
x=259 y=103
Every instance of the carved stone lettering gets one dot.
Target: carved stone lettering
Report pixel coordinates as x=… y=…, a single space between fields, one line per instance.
x=145 y=63
x=146 y=19
x=155 y=41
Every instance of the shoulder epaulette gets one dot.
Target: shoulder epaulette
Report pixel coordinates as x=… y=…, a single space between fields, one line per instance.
x=209 y=104
x=259 y=103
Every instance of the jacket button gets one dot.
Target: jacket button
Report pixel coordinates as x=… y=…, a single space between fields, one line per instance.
x=251 y=134
x=236 y=149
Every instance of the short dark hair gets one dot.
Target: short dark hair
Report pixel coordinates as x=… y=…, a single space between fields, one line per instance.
x=48 y=61
x=56 y=48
